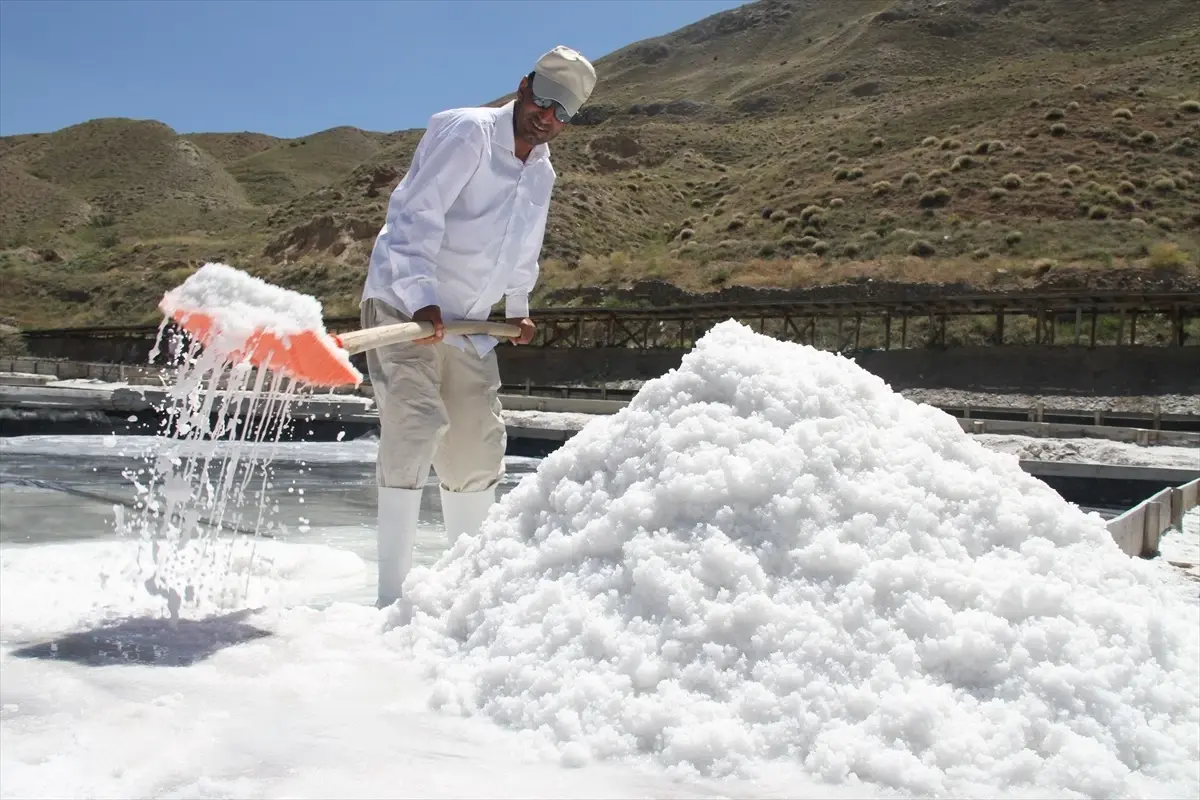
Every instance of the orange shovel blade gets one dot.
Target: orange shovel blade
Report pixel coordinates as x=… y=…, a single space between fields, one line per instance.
x=315 y=358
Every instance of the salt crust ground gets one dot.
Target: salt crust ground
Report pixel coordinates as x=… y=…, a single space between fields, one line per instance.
x=769 y=555
x=818 y=579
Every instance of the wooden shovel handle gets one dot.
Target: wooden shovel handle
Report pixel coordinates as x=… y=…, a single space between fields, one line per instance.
x=369 y=338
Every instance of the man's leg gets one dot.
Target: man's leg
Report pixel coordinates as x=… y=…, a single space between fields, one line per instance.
x=412 y=420
x=470 y=458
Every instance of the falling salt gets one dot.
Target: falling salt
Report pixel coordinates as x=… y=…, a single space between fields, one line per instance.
x=202 y=498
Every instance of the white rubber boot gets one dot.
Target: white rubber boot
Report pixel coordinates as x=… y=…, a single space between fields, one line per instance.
x=464 y=512
x=395 y=535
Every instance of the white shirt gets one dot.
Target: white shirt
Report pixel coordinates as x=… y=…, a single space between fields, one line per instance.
x=464 y=227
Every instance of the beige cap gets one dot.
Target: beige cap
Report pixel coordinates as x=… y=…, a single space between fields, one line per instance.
x=565 y=76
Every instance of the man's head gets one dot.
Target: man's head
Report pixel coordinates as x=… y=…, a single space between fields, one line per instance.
x=547 y=99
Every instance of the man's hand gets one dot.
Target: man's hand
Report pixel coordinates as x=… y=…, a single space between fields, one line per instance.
x=433 y=315
x=527 y=330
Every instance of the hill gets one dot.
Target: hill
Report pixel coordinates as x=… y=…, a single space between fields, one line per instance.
x=785 y=143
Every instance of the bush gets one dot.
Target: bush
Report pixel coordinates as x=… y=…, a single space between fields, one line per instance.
x=877 y=142
x=936 y=198
x=951 y=144
x=910 y=178
x=930 y=141
x=1074 y=169
x=1167 y=254
x=1011 y=181
x=1041 y=177
x=881 y=188
x=961 y=163
x=1164 y=185
x=836 y=202
x=997 y=193
x=1122 y=113
x=851 y=250
x=1148 y=137
x=937 y=175
x=1012 y=238
x=1058 y=129
x=1055 y=113
x=1190 y=106
x=921 y=248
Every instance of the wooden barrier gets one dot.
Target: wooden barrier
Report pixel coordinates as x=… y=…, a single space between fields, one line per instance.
x=1137 y=531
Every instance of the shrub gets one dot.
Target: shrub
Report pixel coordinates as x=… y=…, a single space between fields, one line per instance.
x=1148 y=137
x=1011 y=181
x=921 y=248
x=1098 y=212
x=850 y=250
x=980 y=254
x=961 y=163
x=1190 y=106
x=836 y=202
x=938 y=197
x=937 y=175
x=1012 y=237
x=877 y=142
x=1074 y=169
x=806 y=242
x=1126 y=187
x=1166 y=223
x=1041 y=177
x=809 y=212
x=951 y=144
x=881 y=188
x=910 y=178
x=997 y=193
x=1167 y=254
x=1018 y=151
x=1138 y=222
x=1164 y=185
x=1073 y=105
x=1055 y=113
x=1058 y=129
x=930 y=141
x=1122 y=113
x=820 y=247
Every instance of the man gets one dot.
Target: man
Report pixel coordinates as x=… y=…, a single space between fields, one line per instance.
x=464 y=229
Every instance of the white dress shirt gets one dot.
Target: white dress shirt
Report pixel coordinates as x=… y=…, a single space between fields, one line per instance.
x=464 y=227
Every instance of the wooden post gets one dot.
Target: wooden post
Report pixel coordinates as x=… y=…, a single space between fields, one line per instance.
x=857 y=327
x=887 y=331
x=904 y=331
x=1078 y=322
x=1095 y=314
x=1133 y=326
x=1000 y=326
x=1177 y=327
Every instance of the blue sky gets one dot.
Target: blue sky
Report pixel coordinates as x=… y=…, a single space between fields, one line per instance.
x=293 y=67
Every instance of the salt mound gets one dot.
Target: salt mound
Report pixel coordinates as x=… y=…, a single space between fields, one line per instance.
x=771 y=556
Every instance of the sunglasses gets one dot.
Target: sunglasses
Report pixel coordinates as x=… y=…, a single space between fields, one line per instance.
x=560 y=113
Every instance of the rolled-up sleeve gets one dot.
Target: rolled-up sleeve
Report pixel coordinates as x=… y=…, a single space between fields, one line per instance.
x=416 y=216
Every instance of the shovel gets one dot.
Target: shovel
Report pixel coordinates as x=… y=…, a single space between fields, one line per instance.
x=282 y=331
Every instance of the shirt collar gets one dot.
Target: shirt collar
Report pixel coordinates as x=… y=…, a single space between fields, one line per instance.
x=504 y=134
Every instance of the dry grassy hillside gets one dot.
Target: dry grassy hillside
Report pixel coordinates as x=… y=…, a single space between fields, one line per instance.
x=786 y=143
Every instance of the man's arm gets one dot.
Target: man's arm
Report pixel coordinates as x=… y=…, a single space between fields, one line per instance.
x=416 y=214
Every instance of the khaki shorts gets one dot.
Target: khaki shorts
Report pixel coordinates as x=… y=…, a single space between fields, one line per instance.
x=438 y=406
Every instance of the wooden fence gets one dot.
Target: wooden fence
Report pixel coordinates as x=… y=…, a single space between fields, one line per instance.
x=1137 y=531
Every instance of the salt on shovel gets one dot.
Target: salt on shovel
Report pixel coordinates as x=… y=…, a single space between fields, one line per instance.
x=246 y=318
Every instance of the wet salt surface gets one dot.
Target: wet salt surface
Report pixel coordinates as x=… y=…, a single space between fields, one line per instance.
x=775 y=574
